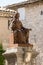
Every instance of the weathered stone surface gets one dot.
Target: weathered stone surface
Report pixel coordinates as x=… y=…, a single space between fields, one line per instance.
x=34 y=20
x=22 y=55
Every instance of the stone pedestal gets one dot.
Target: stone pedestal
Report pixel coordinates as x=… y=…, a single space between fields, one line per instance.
x=22 y=54
x=10 y=56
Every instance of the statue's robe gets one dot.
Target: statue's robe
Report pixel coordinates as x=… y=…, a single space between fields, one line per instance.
x=21 y=34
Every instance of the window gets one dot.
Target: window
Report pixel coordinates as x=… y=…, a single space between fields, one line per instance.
x=41 y=12
x=8 y=23
x=22 y=13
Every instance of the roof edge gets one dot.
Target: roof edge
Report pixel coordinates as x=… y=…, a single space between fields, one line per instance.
x=21 y=3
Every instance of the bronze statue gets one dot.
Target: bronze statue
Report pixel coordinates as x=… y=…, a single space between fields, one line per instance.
x=21 y=34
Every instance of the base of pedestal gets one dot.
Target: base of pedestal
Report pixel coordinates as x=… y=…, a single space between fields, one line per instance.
x=21 y=55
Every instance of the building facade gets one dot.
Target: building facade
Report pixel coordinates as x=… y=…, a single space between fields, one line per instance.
x=5 y=15
x=32 y=17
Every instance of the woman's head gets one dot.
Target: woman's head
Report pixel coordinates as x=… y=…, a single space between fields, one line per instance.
x=17 y=15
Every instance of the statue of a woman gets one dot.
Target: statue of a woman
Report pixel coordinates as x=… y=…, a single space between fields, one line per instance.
x=21 y=34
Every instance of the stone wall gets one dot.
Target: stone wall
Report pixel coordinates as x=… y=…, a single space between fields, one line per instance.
x=34 y=20
x=3 y=28
x=4 y=32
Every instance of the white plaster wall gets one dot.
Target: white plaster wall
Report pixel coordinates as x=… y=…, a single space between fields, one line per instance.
x=34 y=20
